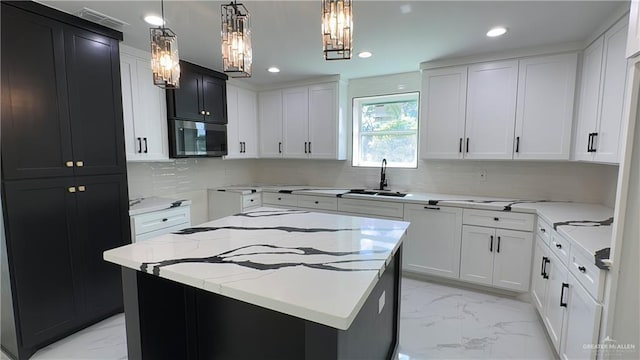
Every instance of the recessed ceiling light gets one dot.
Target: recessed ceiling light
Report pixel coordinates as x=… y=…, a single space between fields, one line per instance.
x=153 y=20
x=497 y=31
x=364 y=54
x=273 y=69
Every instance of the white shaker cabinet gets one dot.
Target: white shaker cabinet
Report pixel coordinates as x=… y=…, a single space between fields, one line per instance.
x=633 y=35
x=143 y=107
x=555 y=301
x=327 y=130
x=443 y=104
x=242 y=133
x=539 y=277
x=600 y=111
x=433 y=240
x=491 y=107
x=544 y=112
x=270 y=118
x=582 y=323
x=295 y=122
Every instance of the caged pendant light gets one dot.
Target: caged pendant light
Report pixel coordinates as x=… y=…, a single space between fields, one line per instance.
x=337 y=27
x=165 y=61
x=236 y=40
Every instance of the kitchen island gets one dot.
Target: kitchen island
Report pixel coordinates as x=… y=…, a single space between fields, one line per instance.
x=269 y=284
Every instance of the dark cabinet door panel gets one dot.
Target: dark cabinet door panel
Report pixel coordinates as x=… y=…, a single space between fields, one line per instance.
x=215 y=100
x=95 y=102
x=35 y=121
x=187 y=103
x=38 y=227
x=103 y=224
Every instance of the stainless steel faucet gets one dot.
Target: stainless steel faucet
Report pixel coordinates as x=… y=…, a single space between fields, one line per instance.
x=383 y=174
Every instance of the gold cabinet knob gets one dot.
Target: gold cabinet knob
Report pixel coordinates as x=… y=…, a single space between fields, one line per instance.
x=81 y=188
x=208 y=113
x=69 y=164
x=202 y=112
x=71 y=189
x=79 y=163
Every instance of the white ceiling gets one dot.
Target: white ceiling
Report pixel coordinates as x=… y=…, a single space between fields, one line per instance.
x=286 y=34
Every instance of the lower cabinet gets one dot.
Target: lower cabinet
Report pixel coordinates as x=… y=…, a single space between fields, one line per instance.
x=152 y=224
x=554 y=308
x=432 y=245
x=495 y=257
x=57 y=230
x=582 y=323
x=539 y=279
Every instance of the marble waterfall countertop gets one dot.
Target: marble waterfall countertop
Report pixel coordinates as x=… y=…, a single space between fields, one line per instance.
x=319 y=267
x=587 y=226
x=149 y=204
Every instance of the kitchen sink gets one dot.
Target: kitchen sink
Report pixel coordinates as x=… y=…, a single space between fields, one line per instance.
x=394 y=194
x=377 y=193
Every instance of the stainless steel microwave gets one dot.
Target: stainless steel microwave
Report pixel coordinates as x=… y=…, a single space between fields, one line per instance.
x=196 y=139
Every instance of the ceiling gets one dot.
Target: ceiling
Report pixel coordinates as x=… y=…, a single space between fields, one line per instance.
x=400 y=34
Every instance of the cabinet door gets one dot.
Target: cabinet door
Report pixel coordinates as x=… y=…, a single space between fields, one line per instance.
x=589 y=99
x=607 y=140
x=248 y=122
x=270 y=117
x=214 y=100
x=433 y=240
x=538 y=276
x=233 y=125
x=295 y=122
x=185 y=103
x=491 y=109
x=95 y=102
x=553 y=312
x=544 y=114
x=511 y=268
x=36 y=134
x=150 y=115
x=323 y=121
x=476 y=255
x=102 y=224
x=582 y=325
x=39 y=221
x=443 y=105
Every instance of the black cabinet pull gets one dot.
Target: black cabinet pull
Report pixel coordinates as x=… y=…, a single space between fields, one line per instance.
x=467 y=144
x=517 y=144
x=241 y=147
x=146 y=148
x=280 y=147
x=589 y=142
x=316 y=202
x=559 y=246
x=491 y=244
x=139 y=145
x=543 y=230
x=593 y=142
x=498 y=248
x=562 y=303
x=547 y=261
x=309 y=147
x=305 y=147
x=496 y=219
x=431 y=208
x=460 y=146
x=164 y=220
x=542 y=266
x=279 y=198
x=251 y=200
x=582 y=269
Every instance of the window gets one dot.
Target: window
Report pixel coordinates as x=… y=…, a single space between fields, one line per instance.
x=386 y=127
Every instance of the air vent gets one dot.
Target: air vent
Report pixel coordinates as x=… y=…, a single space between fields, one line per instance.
x=100 y=18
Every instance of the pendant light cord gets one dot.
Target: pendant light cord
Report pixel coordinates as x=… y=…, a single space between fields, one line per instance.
x=162 y=11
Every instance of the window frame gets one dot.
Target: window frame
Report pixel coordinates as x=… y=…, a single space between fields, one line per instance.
x=356 y=126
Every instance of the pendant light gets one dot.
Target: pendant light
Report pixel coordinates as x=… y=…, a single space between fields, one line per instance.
x=165 y=61
x=337 y=26
x=236 y=40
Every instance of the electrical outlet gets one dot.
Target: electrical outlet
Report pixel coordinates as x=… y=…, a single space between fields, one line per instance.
x=482 y=175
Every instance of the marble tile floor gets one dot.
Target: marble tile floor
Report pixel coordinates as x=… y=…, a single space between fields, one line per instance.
x=437 y=322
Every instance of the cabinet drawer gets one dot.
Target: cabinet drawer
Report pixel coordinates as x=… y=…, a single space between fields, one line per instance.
x=152 y=234
x=251 y=200
x=498 y=219
x=560 y=246
x=158 y=220
x=543 y=229
x=318 y=202
x=588 y=274
x=279 y=199
x=371 y=207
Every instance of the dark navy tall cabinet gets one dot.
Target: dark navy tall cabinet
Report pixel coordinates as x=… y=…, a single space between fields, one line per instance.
x=64 y=184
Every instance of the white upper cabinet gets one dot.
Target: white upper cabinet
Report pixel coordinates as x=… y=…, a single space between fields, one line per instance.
x=443 y=104
x=544 y=112
x=491 y=107
x=602 y=93
x=633 y=36
x=306 y=123
x=242 y=126
x=295 y=122
x=270 y=117
x=144 y=108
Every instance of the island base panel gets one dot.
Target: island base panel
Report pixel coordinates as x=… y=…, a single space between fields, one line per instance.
x=168 y=320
